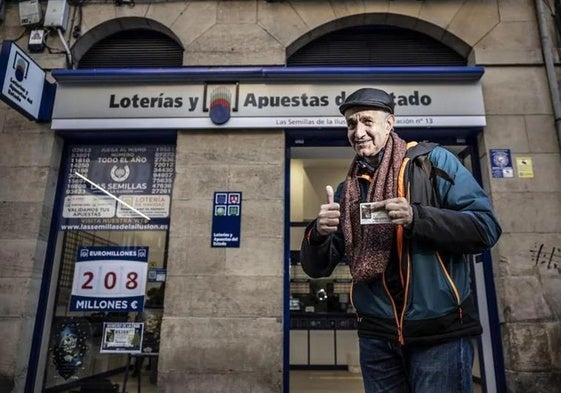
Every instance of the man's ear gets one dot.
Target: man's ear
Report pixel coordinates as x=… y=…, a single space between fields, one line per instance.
x=390 y=121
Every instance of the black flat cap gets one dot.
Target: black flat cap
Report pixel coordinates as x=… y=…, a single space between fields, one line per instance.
x=369 y=97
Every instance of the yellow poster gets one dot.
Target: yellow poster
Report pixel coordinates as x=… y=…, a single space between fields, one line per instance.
x=524 y=167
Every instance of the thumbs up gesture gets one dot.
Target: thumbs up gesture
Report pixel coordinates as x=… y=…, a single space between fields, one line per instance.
x=329 y=213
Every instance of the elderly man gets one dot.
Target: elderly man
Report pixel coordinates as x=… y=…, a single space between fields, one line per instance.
x=411 y=283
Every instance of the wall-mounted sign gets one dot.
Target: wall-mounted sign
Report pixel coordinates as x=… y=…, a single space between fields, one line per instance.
x=501 y=163
x=226 y=219
x=111 y=279
x=122 y=337
x=139 y=178
x=24 y=86
x=524 y=167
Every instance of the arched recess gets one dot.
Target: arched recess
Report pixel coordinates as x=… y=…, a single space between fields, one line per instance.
x=379 y=39
x=128 y=42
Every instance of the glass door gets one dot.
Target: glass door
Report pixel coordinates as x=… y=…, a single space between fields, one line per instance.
x=320 y=313
x=323 y=337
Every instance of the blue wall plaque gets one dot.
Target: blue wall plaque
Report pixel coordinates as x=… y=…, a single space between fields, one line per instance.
x=226 y=219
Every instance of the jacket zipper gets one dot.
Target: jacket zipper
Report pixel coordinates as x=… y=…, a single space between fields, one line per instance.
x=453 y=286
x=358 y=317
x=400 y=252
x=397 y=321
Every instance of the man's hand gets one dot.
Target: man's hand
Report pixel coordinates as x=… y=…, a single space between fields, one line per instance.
x=328 y=216
x=399 y=210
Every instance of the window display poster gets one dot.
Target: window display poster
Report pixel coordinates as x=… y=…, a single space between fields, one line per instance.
x=226 y=219
x=69 y=344
x=110 y=279
x=122 y=337
x=107 y=187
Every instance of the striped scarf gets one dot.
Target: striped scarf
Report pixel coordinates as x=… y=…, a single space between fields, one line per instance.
x=368 y=247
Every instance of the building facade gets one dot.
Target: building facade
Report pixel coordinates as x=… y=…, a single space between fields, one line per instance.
x=226 y=311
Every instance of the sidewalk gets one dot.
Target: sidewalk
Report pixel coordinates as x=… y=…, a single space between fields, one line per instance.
x=325 y=382
x=302 y=381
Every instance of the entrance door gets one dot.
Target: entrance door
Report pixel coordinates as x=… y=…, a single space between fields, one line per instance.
x=323 y=343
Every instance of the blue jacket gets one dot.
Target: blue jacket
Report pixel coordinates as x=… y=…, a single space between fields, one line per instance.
x=425 y=295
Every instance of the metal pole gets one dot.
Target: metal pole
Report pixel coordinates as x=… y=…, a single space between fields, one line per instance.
x=547 y=45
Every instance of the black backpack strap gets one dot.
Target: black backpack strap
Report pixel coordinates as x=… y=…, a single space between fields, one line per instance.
x=424 y=162
x=443 y=174
x=419 y=155
x=432 y=171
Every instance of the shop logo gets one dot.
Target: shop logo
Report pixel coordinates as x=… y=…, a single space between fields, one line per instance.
x=120 y=173
x=21 y=66
x=222 y=100
x=501 y=159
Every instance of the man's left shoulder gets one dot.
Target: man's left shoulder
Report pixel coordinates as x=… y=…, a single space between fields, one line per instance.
x=443 y=156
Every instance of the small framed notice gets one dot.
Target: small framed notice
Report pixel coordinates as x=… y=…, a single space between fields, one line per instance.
x=122 y=337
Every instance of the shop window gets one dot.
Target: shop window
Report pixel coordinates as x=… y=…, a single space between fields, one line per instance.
x=110 y=264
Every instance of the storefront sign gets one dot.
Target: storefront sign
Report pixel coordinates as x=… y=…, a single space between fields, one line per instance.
x=122 y=337
x=118 y=188
x=247 y=104
x=24 y=86
x=111 y=279
x=226 y=219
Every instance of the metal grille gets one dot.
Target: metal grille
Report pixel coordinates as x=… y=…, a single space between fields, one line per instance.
x=376 y=46
x=134 y=48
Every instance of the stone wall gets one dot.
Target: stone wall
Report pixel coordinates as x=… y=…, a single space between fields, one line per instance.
x=29 y=160
x=222 y=330
x=214 y=304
